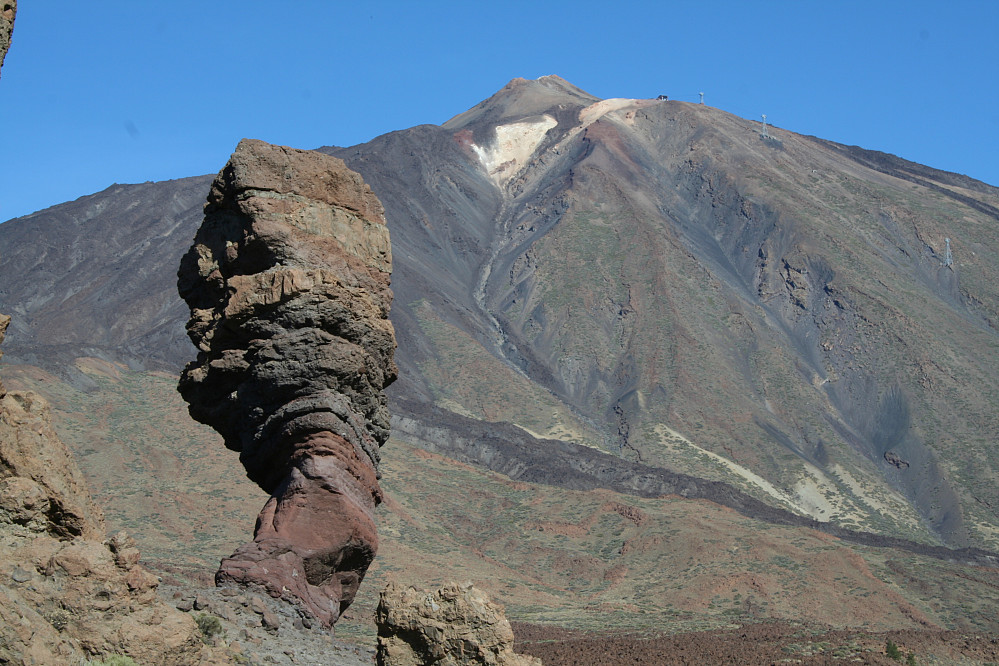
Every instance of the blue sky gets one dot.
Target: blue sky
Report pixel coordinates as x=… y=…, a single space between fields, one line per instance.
x=94 y=93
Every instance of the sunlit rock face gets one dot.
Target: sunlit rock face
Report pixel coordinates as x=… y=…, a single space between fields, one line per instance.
x=455 y=624
x=70 y=593
x=288 y=285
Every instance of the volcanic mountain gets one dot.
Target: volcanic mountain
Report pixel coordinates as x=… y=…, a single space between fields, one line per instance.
x=678 y=287
x=647 y=297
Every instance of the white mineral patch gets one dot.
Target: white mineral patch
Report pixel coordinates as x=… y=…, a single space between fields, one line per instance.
x=815 y=494
x=675 y=441
x=812 y=495
x=514 y=145
x=603 y=107
x=818 y=495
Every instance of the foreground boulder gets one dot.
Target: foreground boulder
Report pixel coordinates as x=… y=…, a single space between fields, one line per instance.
x=66 y=594
x=456 y=624
x=288 y=285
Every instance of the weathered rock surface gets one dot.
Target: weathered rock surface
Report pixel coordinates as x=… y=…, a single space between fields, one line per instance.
x=35 y=462
x=66 y=595
x=456 y=624
x=8 y=8
x=4 y=323
x=40 y=484
x=535 y=349
x=288 y=285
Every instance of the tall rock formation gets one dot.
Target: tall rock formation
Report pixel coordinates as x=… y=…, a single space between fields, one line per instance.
x=288 y=285
x=8 y=9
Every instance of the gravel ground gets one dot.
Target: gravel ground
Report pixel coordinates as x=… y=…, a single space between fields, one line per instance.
x=757 y=644
x=255 y=629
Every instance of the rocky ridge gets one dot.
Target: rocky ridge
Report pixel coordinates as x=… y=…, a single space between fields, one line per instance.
x=288 y=285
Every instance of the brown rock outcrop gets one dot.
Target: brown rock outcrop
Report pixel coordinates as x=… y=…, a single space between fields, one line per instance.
x=39 y=481
x=288 y=285
x=66 y=595
x=4 y=323
x=456 y=624
x=40 y=484
x=8 y=9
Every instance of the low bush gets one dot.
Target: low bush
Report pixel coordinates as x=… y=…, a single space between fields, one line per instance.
x=209 y=625
x=113 y=660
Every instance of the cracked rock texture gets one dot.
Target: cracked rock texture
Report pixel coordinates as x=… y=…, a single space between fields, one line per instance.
x=456 y=624
x=288 y=285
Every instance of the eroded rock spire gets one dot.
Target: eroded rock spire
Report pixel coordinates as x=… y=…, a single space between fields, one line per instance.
x=288 y=285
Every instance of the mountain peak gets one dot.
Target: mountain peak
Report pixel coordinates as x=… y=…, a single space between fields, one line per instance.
x=523 y=98
x=552 y=82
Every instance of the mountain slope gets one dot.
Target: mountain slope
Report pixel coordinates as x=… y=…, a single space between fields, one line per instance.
x=661 y=281
x=587 y=557
x=656 y=280
x=96 y=276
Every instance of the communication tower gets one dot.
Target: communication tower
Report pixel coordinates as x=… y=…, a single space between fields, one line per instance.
x=948 y=257
x=702 y=97
x=764 y=134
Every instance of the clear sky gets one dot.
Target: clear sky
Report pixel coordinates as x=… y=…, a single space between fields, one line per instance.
x=98 y=92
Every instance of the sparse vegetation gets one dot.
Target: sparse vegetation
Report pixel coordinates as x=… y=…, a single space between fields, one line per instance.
x=621 y=310
x=59 y=618
x=210 y=626
x=113 y=660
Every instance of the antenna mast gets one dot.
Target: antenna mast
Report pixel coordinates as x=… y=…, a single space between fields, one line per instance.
x=702 y=97
x=765 y=135
x=948 y=257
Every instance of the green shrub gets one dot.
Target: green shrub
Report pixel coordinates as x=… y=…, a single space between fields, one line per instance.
x=113 y=660
x=209 y=625
x=892 y=650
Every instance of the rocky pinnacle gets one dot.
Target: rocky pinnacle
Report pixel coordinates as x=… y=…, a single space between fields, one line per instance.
x=288 y=286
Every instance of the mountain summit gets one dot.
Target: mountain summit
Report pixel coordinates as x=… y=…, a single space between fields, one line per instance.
x=523 y=98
